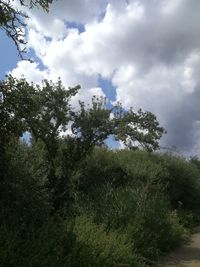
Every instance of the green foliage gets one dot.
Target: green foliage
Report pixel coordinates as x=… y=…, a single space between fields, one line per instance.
x=107 y=248
x=145 y=218
x=121 y=168
x=142 y=169
x=177 y=178
x=96 y=169
x=45 y=246
x=92 y=126
x=137 y=128
x=123 y=218
x=23 y=198
x=154 y=229
x=45 y=111
x=182 y=182
x=70 y=201
x=142 y=198
x=189 y=219
x=195 y=161
x=80 y=243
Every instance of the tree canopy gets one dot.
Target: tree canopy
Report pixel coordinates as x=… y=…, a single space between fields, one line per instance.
x=46 y=112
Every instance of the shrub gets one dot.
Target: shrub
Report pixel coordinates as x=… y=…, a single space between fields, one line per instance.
x=154 y=229
x=29 y=247
x=97 y=169
x=189 y=219
x=80 y=243
x=182 y=183
x=105 y=248
x=23 y=198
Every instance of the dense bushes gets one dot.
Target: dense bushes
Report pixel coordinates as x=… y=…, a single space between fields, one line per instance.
x=125 y=208
x=176 y=177
x=183 y=183
x=23 y=197
x=105 y=248
x=79 y=243
x=146 y=218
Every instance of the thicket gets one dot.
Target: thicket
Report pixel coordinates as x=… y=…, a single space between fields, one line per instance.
x=71 y=201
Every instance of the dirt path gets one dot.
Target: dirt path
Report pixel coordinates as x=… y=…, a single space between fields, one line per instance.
x=187 y=256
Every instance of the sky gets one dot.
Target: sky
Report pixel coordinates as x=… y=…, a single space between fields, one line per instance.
x=143 y=53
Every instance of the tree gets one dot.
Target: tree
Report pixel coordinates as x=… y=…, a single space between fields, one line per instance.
x=92 y=125
x=137 y=129
x=12 y=20
x=45 y=111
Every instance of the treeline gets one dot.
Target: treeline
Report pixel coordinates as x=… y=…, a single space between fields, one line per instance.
x=68 y=200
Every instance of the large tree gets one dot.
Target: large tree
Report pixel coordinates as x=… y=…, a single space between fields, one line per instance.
x=46 y=112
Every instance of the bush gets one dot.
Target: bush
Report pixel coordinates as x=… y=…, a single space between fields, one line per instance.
x=140 y=166
x=189 y=219
x=23 y=198
x=47 y=246
x=97 y=169
x=182 y=183
x=104 y=248
x=152 y=228
x=80 y=243
x=119 y=168
x=126 y=209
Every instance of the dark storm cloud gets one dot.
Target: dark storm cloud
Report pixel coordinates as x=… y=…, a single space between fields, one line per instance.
x=182 y=123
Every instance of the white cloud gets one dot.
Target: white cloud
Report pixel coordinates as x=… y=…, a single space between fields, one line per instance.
x=30 y=71
x=148 y=48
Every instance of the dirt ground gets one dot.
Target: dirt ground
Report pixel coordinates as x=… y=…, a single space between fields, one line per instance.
x=186 y=256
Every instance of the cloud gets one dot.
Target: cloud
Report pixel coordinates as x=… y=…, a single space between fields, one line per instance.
x=64 y=13
x=30 y=71
x=149 y=49
x=171 y=93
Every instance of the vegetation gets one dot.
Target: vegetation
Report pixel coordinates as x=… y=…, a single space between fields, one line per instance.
x=68 y=200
